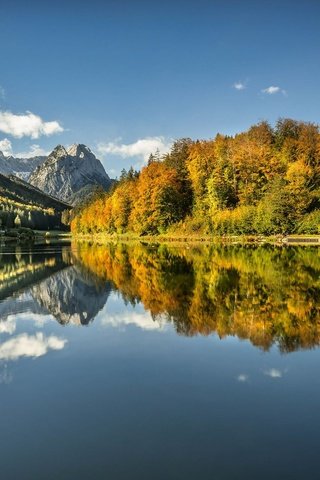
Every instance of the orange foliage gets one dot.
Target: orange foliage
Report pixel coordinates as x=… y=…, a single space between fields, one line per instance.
x=275 y=171
x=265 y=295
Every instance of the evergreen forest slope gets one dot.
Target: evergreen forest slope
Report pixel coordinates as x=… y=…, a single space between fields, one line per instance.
x=32 y=207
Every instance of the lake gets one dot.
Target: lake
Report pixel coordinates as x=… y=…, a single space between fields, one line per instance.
x=147 y=361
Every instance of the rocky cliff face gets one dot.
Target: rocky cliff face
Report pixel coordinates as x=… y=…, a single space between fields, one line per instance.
x=20 y=167
x=66 y=171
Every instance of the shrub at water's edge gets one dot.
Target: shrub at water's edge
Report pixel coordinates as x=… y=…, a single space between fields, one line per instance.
x=263 y=181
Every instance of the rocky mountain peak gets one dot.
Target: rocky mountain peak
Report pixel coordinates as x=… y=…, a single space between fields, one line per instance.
x=79 y=150
x=67 y=171
x=58 y=151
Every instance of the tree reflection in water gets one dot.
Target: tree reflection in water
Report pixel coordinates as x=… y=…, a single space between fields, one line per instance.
x=269 y=295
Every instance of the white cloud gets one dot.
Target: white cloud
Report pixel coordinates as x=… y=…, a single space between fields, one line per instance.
x=273 y=373
x=27 y=125
x=243 y=377
x=30 y=346
x=34 y=151
x=141 y=148
x=8 y=326
x=141 y=320
x=239 y=86
x=273 y=89
x=6 y=147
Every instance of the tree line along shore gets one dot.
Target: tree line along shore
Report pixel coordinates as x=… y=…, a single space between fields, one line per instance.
x=265 y=181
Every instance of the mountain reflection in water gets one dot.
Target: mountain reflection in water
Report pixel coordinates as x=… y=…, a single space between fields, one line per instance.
x=268 y=295
x=54 y=283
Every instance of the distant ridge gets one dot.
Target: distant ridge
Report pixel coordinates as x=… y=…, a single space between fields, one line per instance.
x=20 y=167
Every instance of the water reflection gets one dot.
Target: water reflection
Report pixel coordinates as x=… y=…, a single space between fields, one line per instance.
x=130 y=390
x=46 y=281
x=19 y=268
x=71 y=296
x=268 y=295
x=33 y=346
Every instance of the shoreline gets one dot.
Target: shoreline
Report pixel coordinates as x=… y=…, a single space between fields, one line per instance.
x=280 y=240
x=304 y=240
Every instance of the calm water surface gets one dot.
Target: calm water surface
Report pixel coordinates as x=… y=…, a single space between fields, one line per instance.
x=155 y=362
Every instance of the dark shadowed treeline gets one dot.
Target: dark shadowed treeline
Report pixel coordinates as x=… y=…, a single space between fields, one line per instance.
x=268 y=295
x=24 y=205
x=264 y=181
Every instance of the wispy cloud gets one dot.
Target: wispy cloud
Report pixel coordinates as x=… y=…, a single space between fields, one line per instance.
x=273 y=89
x=139 y=149
x=239 y=85
x=34 y=151
x=243 y=377
x=38 y=319
x=27 y=125
x=30 y=346
x=6 y=376
x=273 y=373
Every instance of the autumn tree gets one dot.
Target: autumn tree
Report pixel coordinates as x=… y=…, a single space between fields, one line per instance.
x=264 y=180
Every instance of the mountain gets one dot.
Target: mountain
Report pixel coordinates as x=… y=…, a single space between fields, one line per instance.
x=20 y=167
x=67 y=171
x=34 y=208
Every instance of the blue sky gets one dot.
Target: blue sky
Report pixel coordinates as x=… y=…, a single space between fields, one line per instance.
x=125 y=77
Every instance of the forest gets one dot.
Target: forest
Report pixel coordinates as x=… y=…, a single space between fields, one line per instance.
x=23 y=205
x=263 y=181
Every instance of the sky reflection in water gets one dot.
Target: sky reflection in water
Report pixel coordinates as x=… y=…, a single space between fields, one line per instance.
x=173 y=362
